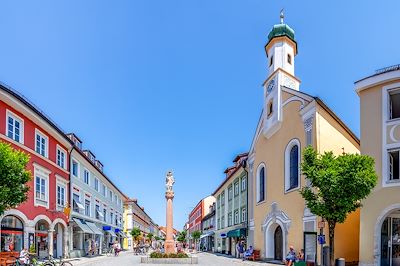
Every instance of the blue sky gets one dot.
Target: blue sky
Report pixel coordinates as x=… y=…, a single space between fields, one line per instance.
x=156 y=85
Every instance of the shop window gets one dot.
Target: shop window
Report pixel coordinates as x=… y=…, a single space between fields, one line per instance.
x=394 y=165
x=12 y=234
x=394 y=104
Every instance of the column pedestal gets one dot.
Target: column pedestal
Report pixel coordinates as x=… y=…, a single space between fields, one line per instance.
x=169 y=244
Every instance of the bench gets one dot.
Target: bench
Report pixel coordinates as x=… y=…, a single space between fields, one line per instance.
x=255 y=256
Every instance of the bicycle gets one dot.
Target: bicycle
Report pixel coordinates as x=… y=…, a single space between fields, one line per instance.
x=53 y=262
x=32 y=262
x=110 y=252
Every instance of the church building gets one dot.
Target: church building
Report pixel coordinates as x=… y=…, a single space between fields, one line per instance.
x=290 y=121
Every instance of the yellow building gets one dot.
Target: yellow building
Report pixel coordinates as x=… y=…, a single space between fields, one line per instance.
x=290 y=121
x=380 y=138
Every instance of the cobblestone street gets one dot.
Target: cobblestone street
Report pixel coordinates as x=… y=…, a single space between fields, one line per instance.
x=127 y=258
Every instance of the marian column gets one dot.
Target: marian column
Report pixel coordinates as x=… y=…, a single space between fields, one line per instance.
x=169 y=245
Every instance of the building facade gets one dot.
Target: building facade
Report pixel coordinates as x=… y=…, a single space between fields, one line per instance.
x=208 y=230
x=97 y=204
x=195 y=218
x=136 y=217
x=40 y=222
x=380 y=138
x=231 y=208
x=290 y=121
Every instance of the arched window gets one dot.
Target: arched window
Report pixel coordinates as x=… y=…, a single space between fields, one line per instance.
x=12 y=234
x=261 y=183
x=292 y=165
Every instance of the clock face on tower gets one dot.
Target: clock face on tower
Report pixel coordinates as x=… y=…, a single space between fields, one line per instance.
x=270 y=85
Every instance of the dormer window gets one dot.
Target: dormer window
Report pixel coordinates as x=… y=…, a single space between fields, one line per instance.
x=289 y=59
x=394 y=97
x=271 y=60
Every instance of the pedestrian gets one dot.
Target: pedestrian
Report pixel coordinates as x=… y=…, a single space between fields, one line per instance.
x=241 y=249
x=237 y=246
x=24 y=257
x=248 y=253
x=290 y=257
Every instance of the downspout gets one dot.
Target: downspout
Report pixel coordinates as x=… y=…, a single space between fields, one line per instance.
x=244 y=165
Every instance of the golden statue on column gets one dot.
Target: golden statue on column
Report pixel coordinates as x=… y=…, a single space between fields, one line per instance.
x=169 y=244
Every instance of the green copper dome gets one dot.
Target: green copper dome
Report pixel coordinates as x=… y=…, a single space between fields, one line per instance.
x=281 y=30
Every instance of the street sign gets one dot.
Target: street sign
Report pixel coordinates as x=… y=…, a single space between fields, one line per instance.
x=321 y=239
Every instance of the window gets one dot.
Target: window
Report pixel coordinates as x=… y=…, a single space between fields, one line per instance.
x=230 y=193
x=115 y=199
x=218 y=224
x=223 y=199
x=111 y=194
x=97 y=211
x=270 y=108
x=223 y=222
x=244 y=183
x=61 y=195
x=105 y=214
x=60 y=158
x=236 y=188
x=292 y=165
x=75 y=168
x=86 y=176
x=394 y=165
x=111 y=217
x=271 y=60
x=41 y=144
x=289 y=59
x=96 y=184
x=261 y=183
x=229 y=219
x=236 y=217
x=103 y=189
x=15 y=127
x=87 y=207
x=244 y=215
x=394 y=104
x=41 y=194
x=77 y=206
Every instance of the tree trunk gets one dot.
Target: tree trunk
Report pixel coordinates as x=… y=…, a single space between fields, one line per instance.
x=332 y=225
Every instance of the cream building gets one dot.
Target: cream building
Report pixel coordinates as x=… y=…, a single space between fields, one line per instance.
x=380 y=138
x=290 y=121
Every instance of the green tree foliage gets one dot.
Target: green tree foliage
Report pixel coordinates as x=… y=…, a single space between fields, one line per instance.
x=182 y=237
x=157 y=238
x=196 y=236
x=338 y=184
x=150 y=236
x=13 y=177
x=135 y=233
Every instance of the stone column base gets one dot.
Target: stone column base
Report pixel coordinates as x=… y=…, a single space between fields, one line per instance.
x=169 y=246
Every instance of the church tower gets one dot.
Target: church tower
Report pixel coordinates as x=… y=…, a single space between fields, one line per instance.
x=281 y=50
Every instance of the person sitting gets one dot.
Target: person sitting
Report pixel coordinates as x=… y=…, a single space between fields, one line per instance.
x=248 y=253
x=300 y=256
x=290 y=257
x=24 y=257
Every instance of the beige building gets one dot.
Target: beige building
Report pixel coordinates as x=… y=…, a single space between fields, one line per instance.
x=231 y=207
x=290 y=121
x=380 y=138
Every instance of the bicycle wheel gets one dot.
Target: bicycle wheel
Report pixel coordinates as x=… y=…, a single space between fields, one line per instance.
x=48 y=264
x=66 y=263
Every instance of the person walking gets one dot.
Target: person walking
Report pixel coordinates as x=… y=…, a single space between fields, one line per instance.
x=237 y=247
x=241 y=249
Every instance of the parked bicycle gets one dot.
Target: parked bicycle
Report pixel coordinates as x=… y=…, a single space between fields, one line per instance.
x=53 y=262
x=110 y=252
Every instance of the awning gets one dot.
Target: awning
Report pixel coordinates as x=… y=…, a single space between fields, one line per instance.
x=84 y=227
x=100 y=214
x=94 y=228
x=122 y=234
x=207 y=234
x=78 y=204
x=111 y=232
x=237 y=232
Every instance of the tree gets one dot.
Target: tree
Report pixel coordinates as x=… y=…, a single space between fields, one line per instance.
x=196 y=236
x=157 y=238
x=13 y=177
x=182 y=237
x=150 y=236
x=338 y=184
x=135 y=233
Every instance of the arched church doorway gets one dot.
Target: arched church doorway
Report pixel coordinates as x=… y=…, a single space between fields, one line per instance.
x=278 y=244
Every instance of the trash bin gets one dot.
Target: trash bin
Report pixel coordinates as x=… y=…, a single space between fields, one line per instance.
x=326 y=260
x=340 y=262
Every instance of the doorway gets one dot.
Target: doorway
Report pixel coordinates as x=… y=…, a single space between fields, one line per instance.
x=390 y=241
x=278 y=244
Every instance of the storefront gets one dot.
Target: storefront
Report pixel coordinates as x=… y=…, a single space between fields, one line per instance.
x=109 y=237
x=82 y=235
x=97 y=238
x=12 y=234
x=234 y=236
x=42 y=238
x=207 y=241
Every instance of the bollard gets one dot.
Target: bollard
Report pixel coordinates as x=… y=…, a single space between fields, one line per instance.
x=340 y=262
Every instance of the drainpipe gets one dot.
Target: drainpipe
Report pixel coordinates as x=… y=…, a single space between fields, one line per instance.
x=244 y=165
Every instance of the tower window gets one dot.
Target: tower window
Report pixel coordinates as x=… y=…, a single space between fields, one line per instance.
x=394 y=104
x=289 y=59
x=270 y=108
x=271 y=60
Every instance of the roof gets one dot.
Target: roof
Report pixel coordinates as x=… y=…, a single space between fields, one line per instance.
x=281 y=30
x=381 y=71
x=35 y=109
